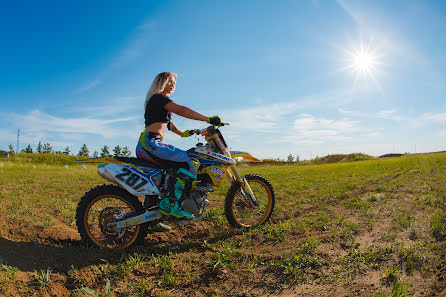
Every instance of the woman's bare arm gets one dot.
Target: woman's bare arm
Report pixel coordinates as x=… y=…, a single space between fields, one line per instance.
x=184 y=111
x=175 y=130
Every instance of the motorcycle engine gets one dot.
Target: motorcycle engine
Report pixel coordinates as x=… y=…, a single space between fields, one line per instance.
x=195 y=202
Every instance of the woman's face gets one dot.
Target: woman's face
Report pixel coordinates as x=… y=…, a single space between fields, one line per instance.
x=170 y=85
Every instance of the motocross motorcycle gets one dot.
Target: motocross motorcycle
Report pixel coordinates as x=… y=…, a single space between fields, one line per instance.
x=118 y=215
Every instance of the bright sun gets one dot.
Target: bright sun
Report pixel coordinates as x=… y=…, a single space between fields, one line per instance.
x=363 y=62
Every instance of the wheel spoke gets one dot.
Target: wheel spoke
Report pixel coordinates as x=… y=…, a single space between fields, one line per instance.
x=243 y=212
x=101 y=213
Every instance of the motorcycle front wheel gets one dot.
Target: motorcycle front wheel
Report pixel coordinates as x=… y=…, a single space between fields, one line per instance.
x=239 y=210
x=103 y=205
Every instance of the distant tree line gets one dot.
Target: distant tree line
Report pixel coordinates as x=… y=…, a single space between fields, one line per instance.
x=291 y=159
x=46 y=148
x=105 y=152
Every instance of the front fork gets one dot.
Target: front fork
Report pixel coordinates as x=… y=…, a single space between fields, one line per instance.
x=233 y=174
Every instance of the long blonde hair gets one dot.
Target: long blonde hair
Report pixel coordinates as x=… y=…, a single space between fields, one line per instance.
x=158 y=85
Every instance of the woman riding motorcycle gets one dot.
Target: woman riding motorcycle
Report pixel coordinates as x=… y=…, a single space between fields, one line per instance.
x=158 y=116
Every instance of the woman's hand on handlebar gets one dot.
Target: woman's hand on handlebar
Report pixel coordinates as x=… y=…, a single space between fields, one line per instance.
x=188 y=133
x=215 y=120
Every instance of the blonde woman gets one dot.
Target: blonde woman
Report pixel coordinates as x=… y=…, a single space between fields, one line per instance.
x=158 y=117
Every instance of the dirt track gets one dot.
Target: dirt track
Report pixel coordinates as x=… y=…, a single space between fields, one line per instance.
x=347 y=230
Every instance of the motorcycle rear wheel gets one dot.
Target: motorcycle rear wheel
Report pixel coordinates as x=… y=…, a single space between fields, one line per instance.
x=240 y=212
x=98 y=207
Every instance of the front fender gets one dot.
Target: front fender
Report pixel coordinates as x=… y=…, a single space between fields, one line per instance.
x=244 y=155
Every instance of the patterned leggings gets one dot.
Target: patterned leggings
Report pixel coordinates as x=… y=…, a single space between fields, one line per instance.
x=151 y=148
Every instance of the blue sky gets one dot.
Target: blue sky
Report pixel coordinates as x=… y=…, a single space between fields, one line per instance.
x=287 y=75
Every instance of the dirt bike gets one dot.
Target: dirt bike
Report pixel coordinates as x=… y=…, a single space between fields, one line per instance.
x=113 y=216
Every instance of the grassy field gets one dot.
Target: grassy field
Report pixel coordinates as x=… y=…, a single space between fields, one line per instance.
x=366 y=228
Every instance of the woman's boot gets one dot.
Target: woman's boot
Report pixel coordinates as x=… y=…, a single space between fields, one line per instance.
x=169 y=204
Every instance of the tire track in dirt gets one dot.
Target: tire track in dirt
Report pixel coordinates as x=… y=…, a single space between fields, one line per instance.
x=383 y=180
x=312 y=207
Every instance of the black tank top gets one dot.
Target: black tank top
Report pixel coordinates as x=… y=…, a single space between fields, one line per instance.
x=155 y=111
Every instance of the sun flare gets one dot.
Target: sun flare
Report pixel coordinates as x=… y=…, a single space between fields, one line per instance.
x=364 y=63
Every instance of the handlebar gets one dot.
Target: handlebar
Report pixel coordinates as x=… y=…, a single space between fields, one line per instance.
x=200 y=131
x=195 y=131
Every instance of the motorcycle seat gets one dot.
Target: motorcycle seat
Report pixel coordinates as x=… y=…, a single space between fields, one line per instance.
x=138 y=162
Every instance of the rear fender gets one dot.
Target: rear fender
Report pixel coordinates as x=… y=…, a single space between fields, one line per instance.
x=131 y=179
x=113 y=160
x=106 y=160
x=244 y=155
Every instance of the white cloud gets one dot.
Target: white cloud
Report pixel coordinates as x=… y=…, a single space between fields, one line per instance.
x=308 y=129
x=388 y=114
x=372 y=134
x=435 y=117
x=39 y=122
x=286 y=124
x=345 y=111
x=279 y=116
x=265 y=118
x=308 y=124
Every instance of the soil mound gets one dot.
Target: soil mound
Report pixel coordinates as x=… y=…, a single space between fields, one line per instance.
x=391 y=155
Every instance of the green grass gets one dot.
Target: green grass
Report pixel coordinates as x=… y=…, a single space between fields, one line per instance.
x=43 y=278
x=46 y=159
x=438 y=225
x=374 y=256
x=294 y=264
x=335 y=225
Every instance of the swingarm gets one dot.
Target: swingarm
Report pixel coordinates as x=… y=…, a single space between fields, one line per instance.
x=137 y=220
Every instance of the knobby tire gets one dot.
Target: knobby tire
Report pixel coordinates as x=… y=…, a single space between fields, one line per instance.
x=107 y=190
x=231 y=195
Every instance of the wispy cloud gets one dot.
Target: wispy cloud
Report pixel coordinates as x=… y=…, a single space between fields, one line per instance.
x=307 y=123
x=353 y=14
x=135 y=45
x=115 y=106
x=435 y=117
x=388 y=114
x=310 y=129
x=265 y=118
x=275 y=116
x=394 y=115
x=89 y=85
x=133 y=48
x=288 y=124
x=39 y=122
